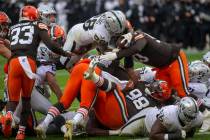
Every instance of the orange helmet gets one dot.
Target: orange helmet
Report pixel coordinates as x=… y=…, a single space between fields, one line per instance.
x=4 y=24
x=29 y=13
x=58 y=34
x=159 y=90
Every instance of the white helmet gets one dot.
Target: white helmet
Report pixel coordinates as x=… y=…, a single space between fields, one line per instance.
x=198 y=69
x=115 y=21
x=46 y=13
x=187 y=109
x=206 y=58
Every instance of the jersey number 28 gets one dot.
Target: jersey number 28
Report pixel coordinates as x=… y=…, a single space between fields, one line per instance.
x=139 y=101
x=27 y=37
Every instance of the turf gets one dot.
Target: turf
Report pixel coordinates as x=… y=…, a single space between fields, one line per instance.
x=62 y=77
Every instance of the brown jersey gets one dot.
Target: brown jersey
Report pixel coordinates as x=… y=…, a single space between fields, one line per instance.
x=150 y=51
x=26 y=36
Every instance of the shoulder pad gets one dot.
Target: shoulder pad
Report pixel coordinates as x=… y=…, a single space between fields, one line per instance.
x=166 y=115
x=42 y=26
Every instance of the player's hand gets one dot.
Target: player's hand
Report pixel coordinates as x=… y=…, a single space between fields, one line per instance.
x=88 y=74
x=69 y=54
x=125 y=40
x=108 y=57
x=183 y=133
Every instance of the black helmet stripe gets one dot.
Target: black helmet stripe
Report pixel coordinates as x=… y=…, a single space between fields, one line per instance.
x=117 y=19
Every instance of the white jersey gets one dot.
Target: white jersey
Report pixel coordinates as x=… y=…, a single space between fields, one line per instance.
x=146 y=74
x=199 y=79
x=200 y=72
x=44 y=54
x=168 y=115
x=83 y=35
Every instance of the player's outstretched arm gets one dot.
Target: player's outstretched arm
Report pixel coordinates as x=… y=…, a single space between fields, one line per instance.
x=159 y=132
x=54 y=85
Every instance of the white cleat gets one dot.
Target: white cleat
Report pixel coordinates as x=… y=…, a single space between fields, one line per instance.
x=41 y=131
x=69 y=130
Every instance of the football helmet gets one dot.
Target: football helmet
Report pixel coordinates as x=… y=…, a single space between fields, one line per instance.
x=115 y=22
x=206 y=58
x=29 y=13
x=159 y=90
x=198 y=69
x=47 y=14
x=4 y=24
x=187 y=109
x=58 y=34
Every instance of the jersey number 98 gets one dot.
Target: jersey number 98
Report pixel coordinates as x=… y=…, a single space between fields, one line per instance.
x=139 y=101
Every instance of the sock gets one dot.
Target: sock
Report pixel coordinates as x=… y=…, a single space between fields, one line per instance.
x=52 y=113
x=21 y=129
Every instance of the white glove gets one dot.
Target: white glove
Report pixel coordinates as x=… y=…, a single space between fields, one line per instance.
x=108 y=57
x=126 y=39
x=183 y=134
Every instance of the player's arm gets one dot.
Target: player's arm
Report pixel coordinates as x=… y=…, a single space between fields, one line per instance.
x=4 y=51
x=53 y=46
x=136 y=46
x=52 y=82
x=129 y=67
x=159 y=132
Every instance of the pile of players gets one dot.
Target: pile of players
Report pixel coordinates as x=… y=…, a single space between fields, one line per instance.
x=166 y=101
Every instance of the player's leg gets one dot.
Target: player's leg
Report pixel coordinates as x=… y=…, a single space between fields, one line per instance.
x=27 y=87
x=179 y=70
x=71 y=91
x=14 y=78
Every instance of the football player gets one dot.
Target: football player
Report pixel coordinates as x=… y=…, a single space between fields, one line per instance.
x=96 y=32
x=170 y=62
x=4 y=29
x=46 y=58
x=171 y=122
x=109 y=98
x=174 y=121
x=25 y=37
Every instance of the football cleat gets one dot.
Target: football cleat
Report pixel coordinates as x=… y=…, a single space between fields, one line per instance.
x=7 y=124
x=41 y=131
x=20 y=136
x=69 y=130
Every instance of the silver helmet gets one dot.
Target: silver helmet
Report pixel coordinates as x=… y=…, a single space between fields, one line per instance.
x=206 y=58
x=198 y=69
x=187 y=109
x=47 y=14
x=115 y=21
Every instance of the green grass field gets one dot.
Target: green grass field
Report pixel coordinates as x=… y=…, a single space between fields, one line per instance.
x=62 y=77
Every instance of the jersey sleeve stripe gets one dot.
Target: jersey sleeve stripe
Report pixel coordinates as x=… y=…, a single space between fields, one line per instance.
x=183 y=77
x=121 y=105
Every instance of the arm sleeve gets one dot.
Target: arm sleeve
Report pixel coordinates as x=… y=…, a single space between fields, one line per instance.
x=53 y=46
x=128 y=62
x=135 y=48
